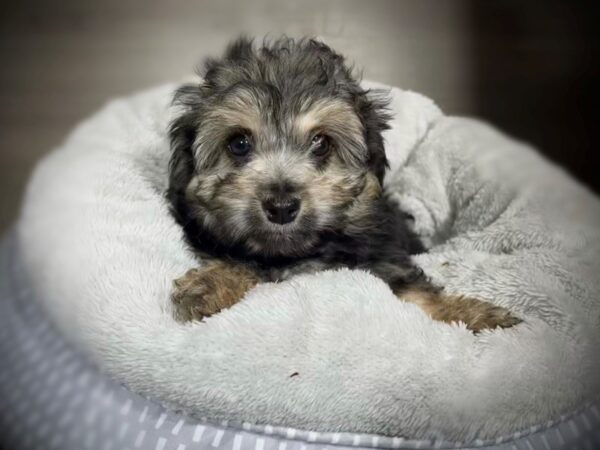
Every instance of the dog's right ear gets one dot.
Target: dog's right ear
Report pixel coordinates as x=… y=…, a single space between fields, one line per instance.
x=182 y=134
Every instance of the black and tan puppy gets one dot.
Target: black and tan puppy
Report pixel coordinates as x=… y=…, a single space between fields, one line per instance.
x=277 y=169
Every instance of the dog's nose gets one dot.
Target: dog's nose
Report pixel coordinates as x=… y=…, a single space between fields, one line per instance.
x=281 y=211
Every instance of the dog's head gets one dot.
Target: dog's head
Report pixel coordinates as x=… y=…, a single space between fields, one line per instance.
x=276 y=146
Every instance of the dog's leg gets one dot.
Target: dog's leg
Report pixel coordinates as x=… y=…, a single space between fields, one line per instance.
x=209 y=289
x=475 y=314
x=411 y=285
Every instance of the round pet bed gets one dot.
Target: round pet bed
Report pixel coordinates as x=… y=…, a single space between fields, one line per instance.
x=334 y=354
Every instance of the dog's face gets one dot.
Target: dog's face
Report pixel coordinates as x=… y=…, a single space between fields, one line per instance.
x=276 y=146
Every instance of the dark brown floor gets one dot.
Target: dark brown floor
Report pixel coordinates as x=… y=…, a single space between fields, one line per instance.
x=527 y=69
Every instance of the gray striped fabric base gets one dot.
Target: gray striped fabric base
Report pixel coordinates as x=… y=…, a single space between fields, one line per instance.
x=51 y=397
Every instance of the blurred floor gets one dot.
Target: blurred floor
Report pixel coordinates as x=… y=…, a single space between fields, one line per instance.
x=62 y=60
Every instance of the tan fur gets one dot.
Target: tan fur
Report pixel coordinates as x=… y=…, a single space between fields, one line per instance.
x=207 y=290
x=372 y=188
x=360 y=210
x=475 y=314
x=337 y=186
x=328 y=114
x=335 y=118
x=237 y=115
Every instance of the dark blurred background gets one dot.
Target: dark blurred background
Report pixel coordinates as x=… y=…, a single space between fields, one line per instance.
x=528 y=67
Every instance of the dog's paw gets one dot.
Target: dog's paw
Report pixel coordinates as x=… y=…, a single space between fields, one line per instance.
x=484 y=315
x=192 y=297
x=476 y=314
x=206 y=291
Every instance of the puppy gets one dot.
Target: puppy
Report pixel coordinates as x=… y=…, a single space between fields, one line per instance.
x=277 y=168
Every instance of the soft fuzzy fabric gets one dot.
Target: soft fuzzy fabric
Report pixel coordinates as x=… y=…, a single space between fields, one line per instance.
x=502 y=223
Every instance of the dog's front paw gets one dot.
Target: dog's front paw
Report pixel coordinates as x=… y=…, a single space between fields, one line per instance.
x=476 y=314
x=192 y=297
x=206 y=291
x=484 y=315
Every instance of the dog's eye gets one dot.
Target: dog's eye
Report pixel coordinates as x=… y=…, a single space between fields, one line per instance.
x=320 y=146
x=240 y=145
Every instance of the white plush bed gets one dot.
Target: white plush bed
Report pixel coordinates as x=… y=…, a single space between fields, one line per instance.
x=100 y=251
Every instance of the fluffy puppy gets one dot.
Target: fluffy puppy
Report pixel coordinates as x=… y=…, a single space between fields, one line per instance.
x=277 y=168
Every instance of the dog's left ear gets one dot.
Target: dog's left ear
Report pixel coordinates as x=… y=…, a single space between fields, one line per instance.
x=182 y=134
x=372 y=108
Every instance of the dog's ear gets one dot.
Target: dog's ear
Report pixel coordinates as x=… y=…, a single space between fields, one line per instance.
x=372 y=107
x=182 y=134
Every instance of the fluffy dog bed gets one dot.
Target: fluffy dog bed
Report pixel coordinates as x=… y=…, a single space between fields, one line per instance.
x=334 y=351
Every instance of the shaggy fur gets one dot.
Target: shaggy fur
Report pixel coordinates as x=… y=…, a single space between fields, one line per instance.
x=288 y=125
